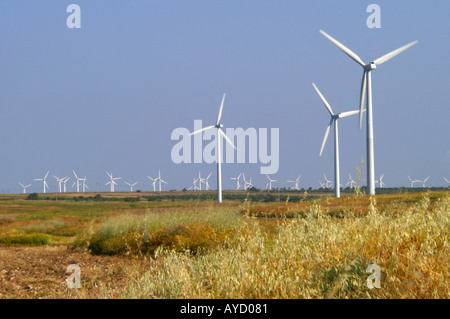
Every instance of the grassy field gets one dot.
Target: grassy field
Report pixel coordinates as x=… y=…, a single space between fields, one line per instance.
x=316 y=247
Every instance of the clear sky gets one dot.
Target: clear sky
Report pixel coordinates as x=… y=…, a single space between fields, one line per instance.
x=107 y=96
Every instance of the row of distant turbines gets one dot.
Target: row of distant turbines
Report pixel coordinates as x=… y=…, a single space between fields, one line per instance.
x=241 y=182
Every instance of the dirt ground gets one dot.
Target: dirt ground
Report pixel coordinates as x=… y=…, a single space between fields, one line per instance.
x=40 y=272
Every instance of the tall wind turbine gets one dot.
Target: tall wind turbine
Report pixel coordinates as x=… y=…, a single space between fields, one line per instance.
x=296 y=182
x=112 y=181
x=412 y=181
x=84 y=184
x=207 y=182
x=219 y=134
x=327 y=182
x=43 y=180
x=24 y=187
x=269 y=183
x=131 y=185
x=247 y=184
x=366 y=92
x=334 y=118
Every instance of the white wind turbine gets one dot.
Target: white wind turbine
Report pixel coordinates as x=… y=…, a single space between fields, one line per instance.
x=327 y=182
x=296 y=182
x=43 y=180
x=412 y=181
x=423 y=182
x=60 y=181
x=380 y=181
x=334 y=118
x=207 y=182
x=269 y=183
x=238 y=185
x=131 y=185
x=219 y=135
x=160 y=180
x=351 y=181
x=84 y=184
x=64 y=182
x=366 y=84
x=153 y=182
x=77 y=181
x=200 y=180
x=24 y=187
x=112 y=181
x=194 y=186
x=322 y=185
x=247 y=184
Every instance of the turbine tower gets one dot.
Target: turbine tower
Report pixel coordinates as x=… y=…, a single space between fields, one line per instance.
x=64 y=182
x=296 y=182
x=334 y=118
x=43 y=180
x=219 y=134
x=366 y=93
x=112 y=181
x=24 y=187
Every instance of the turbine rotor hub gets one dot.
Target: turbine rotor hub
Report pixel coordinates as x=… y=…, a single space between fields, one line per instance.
x=220 y=125
x=371 y=66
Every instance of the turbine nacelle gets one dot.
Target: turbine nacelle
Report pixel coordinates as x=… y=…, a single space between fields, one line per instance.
x=369 y=67
x=219 y=125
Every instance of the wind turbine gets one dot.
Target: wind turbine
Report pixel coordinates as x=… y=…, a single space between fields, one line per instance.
x=207 y=182
x=77 y=181
x=247 y=184
x=200 y=180
x=193 y=187
x=131 y=185
x=327 y=182
x=65 y=181
x=380 y=181
x=84 y=184
x=269 y=183
x=322 y=185
x=112 y=181
x=153 y=182
x=43 y=180
x=219 y=134
x=351 y=181
x=24 y=187
x=366 y=84
x=238 y=185
x=158 y=179
x=334 y=118
x=296 y=182
x=423 y=182
x=413 y=181
x=60 y=181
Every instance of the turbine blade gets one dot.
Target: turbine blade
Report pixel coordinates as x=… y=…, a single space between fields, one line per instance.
x=201 y=130
x=220 y=110
x=392 y=54
x=323 y=100
x=346 y=50
x=362 y=97
x=325 y=137
x=226 y=138
x=349 y=113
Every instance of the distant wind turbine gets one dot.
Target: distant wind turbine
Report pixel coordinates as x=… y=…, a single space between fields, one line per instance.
x=160 y=180
x=380 y=181
x=77 y=181
x=219 y=134
x=60 y=181
x=269 y=183
x=153 y=182
x=351 y=181
x=43 y=180
x=131 y=185
x=65 y=181
x=296 y=182
x=112 y=181
x=24 y=187
x=412 y=181
x=238 y=185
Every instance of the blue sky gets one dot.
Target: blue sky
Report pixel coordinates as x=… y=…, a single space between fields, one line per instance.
x=106 y=97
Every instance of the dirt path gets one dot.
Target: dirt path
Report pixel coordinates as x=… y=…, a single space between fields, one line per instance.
x=40 y=272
